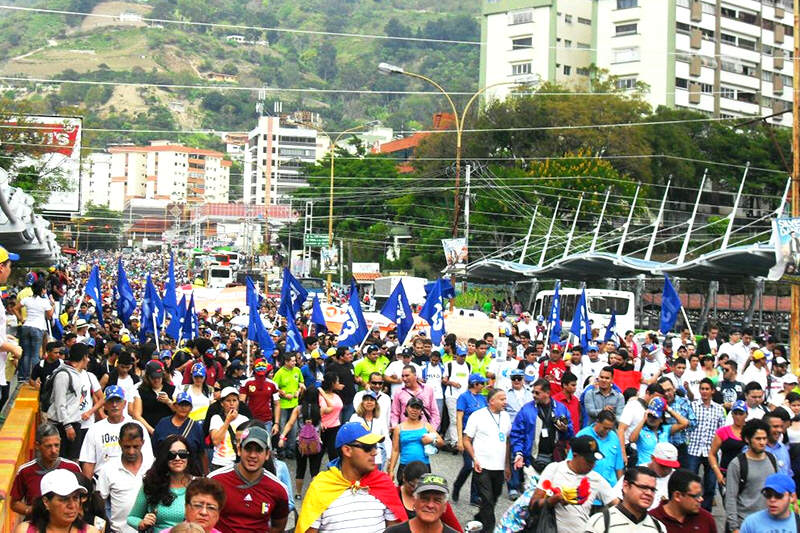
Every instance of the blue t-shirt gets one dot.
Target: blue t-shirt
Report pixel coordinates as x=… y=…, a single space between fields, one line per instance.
x=762 y=522
x=165 y=428
x=648 y=440
x=411 y=447
x=609 y=446
x=469 y=403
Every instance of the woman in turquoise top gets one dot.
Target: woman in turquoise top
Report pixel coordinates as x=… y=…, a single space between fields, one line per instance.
x=652 y=430
x=410 y=437
x=160 y=502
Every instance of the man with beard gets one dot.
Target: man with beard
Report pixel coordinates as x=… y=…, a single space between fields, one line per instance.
x=682 y=513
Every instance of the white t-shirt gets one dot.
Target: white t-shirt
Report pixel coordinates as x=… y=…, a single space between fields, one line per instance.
x=649 y=370
x=395 y=369
x=753 y=373
x=224 y=453
x=36 y=307
x=572 y=518
x=130 y=388
x=661 y=494
x=501 y=368
x=458 y=373
x=101 y=443
x=632 y=414
x=120 y=487
x=489 y=432
x=432 y=376
x=89 y=383
x=693 y=377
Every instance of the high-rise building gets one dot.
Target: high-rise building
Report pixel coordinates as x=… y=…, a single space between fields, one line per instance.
x=274 y=156
x=726 y=58
x=96 y=180
x=167 y=171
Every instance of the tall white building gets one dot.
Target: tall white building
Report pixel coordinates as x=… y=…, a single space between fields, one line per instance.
x=727 y=58
x=167 y=171
x=96 y=180
x=274 y=157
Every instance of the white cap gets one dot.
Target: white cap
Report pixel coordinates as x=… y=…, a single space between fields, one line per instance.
x=790 y=379
x=61 y=482
x=227 y=391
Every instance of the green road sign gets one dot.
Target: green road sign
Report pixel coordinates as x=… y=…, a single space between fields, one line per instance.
x=315 y=240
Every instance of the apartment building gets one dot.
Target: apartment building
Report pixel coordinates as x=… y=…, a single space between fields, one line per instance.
x=726 y=58
x=96 y=180
x=167 y=171
x=275 y=154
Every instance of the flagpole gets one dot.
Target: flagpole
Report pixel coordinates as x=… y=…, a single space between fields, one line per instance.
x=155 y=332
x=688 y=324
x=247 y=370
x=360 y=346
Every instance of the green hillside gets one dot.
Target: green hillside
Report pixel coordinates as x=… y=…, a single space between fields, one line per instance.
x=57 y=46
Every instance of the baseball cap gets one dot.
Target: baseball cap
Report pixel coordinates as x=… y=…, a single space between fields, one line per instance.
x=60 y=481
x=666 y=454
x=780 y=483
x=5 y=255
x=586 y=447
x=261 y=367
x=592 y=348
x=331 y=352
x=372 y=348
x=355 y=432
x=227 y=391
x=125 y=338
x=165 y=354
x=758 y=354
x=211 y=351
x=198 y=369
x=476 y=378
x=460 y=350
x=154 y=369
x=780 y=361
x=237 y=364
x=370 y=394
x=114 y=391
x=517 y=372
x=739 y=405
x=656 y=407
x=431 y=483
x=790 y=379
x=183 y=397
x=255 y=434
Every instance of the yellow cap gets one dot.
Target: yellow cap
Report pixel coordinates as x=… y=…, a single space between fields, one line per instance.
x=125 y=338
x=5 y=255
x=758 y=354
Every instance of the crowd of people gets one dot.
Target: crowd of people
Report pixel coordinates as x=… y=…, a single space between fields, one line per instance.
x=211 y=434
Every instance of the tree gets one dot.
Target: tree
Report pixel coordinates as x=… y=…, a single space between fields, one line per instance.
x=102 y=227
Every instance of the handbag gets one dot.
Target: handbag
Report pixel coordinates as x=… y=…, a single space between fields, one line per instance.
x=542 y=519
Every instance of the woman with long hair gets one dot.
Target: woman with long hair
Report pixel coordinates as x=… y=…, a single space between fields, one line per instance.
x=330 y=407
x=39 y=309
x=728 y=440
x=368 y=413
x=707 y=366
x=307 y=412
x=200 y=392
x=160 y=502
x=59 y=506
x=155 y=395
x=410 y=438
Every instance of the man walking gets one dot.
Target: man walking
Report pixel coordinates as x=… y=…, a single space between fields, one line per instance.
x=710 y=417
x=603 y=396
x=611 y=466
x=455 y=381
x=683 y=512
x=779 y=494
x=486 y=441
x=630 y=515
x=678 y=404
x=68 y=395
x=412 y=387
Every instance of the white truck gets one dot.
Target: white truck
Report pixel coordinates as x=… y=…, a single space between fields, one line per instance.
x=414 y=287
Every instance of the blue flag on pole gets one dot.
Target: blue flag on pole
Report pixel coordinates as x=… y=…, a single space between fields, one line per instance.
x=175 y=326
x=554 y=316
x=152 y=311
x=581 y=327
x=191 y=325
x=57 y=329
x=670 y=306
x=611 y=328
x=126 y=302
x=170 y=296
x=354 y=328
x=318 y=317
x=94 y=291
x=398 y=310
x=444 y=286
x=294 y=339
x=292 y=295
x=433 y=313
x=255 y=327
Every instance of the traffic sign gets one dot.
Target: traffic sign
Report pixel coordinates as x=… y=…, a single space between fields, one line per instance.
x=315 y=240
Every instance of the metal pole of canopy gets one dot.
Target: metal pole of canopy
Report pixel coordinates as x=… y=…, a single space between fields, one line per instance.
x=572 y=229
x=627 y=224
x=685 y=246
x=599 y=222
x=528 y=236
x=657 y=223
x=732 y=216
x=549 y=231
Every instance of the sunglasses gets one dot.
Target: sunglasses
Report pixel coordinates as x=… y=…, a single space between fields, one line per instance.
x=516 y=378
x=376 y=382
x=366 y=447
x=180 y=454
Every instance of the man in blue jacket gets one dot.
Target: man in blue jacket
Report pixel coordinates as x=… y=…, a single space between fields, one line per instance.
x=537 y=429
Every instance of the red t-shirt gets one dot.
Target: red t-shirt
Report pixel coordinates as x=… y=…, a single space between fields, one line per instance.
x=250 y=506
x=29 y=477
x=553 y=372
x=260 y=393
x=702 y=521
x=574 y=408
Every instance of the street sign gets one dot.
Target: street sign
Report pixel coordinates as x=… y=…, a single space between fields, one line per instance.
x=315 y=240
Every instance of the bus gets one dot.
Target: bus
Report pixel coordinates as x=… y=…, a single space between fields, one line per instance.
x=599 y=302
x=218 y=276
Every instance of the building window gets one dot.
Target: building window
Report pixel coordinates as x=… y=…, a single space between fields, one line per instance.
x=706 y=88
x=521 y=43
x=584 y=46
x=567 y=43
x=567 y=70
x=623 y=55
x=568 y=19
x=727 y=92
x=625 y=84
x=582 y=71
x=727 y=38
x=521 y=17
x=582 y=20
x=626 y=29
x=627 y=4
x=681 y=83
x=520 y=68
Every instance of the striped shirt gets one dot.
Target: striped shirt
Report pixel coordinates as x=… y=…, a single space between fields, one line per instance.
x=355 y=511
x=708 y=421
x=619 y=520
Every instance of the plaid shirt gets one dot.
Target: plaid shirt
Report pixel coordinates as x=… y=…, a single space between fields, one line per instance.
x=682 y=406
x=709 y=420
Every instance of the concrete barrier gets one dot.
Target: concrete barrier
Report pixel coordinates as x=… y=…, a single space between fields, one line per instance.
x=16 y=447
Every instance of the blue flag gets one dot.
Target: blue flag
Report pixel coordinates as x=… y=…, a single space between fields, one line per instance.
x=445 y=286
x=57 y=329
x=433 y=312
x=292 y=296
x=554 y=317
x=581 y=327
x=191 y=325
x=255 y=327
x=152 y=311
x=94 y=291
x=318 y=317
x=670 y=306
x=170 y=296
x=126 y=302
x=611 y=328
x=175 y=326
x=294 y=339
x=398 y=310
x=354 y=328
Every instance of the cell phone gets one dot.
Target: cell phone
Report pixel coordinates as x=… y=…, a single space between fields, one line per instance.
x=162 y=394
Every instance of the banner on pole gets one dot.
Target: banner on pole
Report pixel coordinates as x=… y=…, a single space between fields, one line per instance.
x=329 y=259
x=455 y=252
x=786 y=239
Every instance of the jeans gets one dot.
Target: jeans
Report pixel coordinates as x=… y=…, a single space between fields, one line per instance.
x=490 y=487
x=440 y=406
x=709 y=479
x=291 y=437
x=347 y=412
x=31 y=341
x=461 y=478
x=515 y=483
x=683 y=454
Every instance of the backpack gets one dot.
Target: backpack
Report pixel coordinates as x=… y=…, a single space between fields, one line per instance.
x=46 y=392
x=309 y=441
x=743 y=468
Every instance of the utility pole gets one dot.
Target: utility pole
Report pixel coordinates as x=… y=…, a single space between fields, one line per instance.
x=794 y=323
x=267 y=236
x=466 y=223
